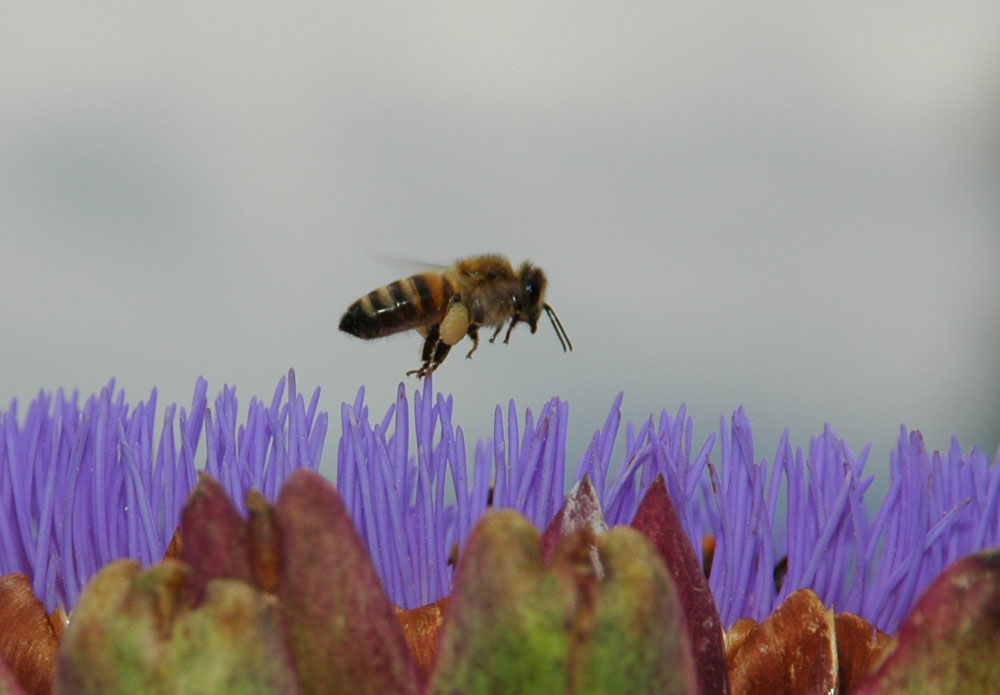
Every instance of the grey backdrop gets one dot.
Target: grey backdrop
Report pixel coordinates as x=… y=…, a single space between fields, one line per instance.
x=785 y=206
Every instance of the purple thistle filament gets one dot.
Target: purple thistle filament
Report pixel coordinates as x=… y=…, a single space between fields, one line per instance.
x=82 y=486
x=412 y=508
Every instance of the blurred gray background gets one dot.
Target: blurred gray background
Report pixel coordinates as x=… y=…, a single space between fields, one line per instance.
x=784 y=206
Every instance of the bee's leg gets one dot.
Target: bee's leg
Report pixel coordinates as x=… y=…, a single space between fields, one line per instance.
x=506 y=338
x=493 y=337
x=473 y=333
x=433 y=357
x=433 y=354
x=431 y=341
x=441 y=337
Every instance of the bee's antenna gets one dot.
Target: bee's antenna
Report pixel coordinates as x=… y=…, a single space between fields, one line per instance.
x=560 y=331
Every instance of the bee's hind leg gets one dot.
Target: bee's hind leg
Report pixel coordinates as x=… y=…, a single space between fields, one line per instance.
x=434 y=352
x=441 y=337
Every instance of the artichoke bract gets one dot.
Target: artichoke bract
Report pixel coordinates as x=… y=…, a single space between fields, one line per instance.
x=136 y=632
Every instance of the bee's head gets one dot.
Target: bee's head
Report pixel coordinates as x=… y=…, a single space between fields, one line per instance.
x=530 y=303
x=531 y=300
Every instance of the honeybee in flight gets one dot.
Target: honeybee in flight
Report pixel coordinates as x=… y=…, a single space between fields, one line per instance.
x=446 y=305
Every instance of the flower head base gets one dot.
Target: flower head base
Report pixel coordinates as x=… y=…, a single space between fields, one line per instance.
x=950 y=640
x=602 y=615
x=136 y=632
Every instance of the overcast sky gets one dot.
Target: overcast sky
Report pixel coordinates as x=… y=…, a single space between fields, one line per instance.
x=789 y=208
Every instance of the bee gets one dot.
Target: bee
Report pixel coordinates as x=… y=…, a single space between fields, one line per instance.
x=446 y=305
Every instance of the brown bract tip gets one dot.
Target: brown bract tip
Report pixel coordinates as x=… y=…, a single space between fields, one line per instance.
x=422 y=630
x=793 y=651
x=859 y=646
x=28 y=642
x=580 y=510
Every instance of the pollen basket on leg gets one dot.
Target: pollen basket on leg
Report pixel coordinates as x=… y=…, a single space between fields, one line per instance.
x=455 y=323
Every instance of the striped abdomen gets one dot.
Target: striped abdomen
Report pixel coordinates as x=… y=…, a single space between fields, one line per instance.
x=419 y=300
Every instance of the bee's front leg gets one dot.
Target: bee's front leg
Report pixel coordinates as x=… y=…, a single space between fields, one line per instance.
x=493 y=338
x=473 y=333
x=506 y=338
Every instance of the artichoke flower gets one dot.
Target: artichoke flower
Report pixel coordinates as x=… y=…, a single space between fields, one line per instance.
x=575 y=609
x=275 y=581
x=602 y=615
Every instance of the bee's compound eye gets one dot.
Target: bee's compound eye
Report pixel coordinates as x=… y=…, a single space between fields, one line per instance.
x=532 y=289
x=531 y=292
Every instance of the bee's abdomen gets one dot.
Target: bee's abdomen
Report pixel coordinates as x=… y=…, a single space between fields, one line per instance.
x=412 y=302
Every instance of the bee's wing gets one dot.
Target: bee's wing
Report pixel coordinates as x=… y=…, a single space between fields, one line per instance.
x=405 y=265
